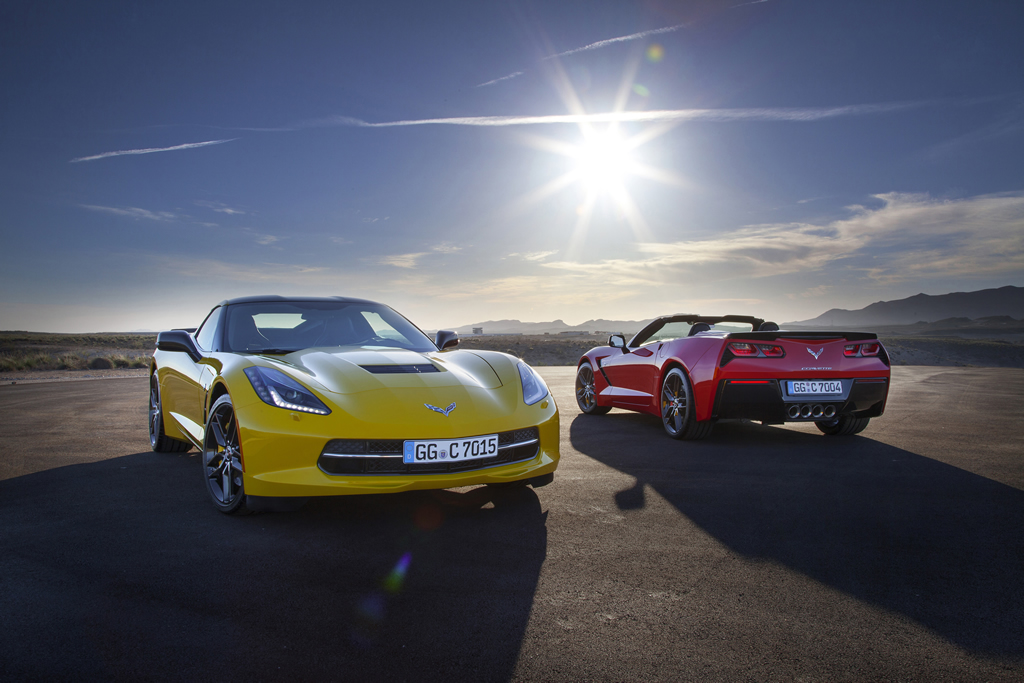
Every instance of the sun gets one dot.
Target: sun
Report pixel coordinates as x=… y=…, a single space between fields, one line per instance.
x=602 y=161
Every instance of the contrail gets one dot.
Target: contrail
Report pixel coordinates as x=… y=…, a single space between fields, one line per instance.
x=503 y=78
x=754 y=114
x=621 y=39
x=151 y=150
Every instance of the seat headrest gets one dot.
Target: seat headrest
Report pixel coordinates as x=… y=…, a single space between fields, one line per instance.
x=698 y=327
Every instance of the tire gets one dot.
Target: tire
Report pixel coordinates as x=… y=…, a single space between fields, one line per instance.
x=678 y=408
x=158 y=441
x=586 y=397
x=222 y=465
x=844 y=425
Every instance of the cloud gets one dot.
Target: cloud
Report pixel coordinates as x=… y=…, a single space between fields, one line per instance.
x=536 y=255
x=133 y=212
x=402 y=260
x=220 y=207
x=744 y=4
x=719 y=115
x=910 y=237
x=267 y=239
x=446 y=248
x=515 y=74
x=621 y=39
x=151 y=150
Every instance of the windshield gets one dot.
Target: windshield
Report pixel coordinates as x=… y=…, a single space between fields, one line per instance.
x=676 y=329
x=280 y=327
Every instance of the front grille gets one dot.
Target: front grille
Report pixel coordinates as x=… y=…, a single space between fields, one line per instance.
x=384 y=456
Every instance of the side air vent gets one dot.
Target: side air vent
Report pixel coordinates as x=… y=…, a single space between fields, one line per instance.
x=399 y=369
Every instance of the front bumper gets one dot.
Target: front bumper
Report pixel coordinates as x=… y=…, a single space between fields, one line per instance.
x=767 y=401
x=289 y=463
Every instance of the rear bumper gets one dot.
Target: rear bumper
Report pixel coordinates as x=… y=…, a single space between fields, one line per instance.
x=766 y=401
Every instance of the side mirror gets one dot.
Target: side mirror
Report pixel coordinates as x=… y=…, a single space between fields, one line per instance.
x=180 y=341
x=618 y=341
x=446 y=339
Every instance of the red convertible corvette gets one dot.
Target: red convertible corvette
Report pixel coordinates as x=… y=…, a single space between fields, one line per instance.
x=693 y=370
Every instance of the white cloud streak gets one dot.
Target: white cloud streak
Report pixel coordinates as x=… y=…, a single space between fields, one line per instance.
x=403 y=260
x=621 y=39
x=718 y=115
x=151 y=150
x=910 y=237
x=133 y=212
x=515 y=74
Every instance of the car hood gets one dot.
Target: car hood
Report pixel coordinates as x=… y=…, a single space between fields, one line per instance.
x=391 y=385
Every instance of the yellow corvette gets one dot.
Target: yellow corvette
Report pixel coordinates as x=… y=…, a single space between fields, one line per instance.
x=295 y=397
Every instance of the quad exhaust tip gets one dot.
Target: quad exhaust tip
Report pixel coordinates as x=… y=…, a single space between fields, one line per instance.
x=811 y=411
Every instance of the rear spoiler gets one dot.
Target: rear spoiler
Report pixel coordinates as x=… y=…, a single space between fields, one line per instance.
x=802 y=335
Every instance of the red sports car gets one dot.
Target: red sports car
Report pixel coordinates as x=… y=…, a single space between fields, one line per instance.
x=693 y=370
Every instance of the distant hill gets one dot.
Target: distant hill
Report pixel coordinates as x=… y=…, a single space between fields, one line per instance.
x=553 y=327
x=986 y=303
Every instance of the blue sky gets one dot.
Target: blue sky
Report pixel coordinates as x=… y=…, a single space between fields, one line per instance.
x=467 y=161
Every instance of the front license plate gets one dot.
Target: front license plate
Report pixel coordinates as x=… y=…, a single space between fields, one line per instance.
x=443 y=450
x=807 y=387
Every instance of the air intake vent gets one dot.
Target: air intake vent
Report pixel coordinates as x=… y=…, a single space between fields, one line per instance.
x=399 y=369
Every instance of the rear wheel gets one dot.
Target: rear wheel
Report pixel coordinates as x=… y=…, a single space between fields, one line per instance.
x=586 y=395
x=844 y=425
x=222 y=458
x=678 y=409
x=159 y=441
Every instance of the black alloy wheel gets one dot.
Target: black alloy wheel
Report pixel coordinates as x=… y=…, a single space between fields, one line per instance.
x=586 y=395
x=678 y=409
x=844 y=425
x=159 y=441
x=222 y=458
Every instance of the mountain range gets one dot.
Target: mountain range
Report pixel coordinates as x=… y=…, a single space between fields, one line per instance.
x=1004 y=303
x=985 y=303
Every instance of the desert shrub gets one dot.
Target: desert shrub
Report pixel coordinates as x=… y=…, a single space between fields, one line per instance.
x=69 y=361
x=100 y=363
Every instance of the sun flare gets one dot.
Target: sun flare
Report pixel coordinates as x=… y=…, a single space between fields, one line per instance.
x=603 y=161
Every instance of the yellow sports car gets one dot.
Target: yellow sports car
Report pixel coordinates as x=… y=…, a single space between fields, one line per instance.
x=295 y=397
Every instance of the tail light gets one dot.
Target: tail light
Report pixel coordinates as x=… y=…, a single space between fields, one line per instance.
x=859 y=350
x=739 y=349
x=745 y=350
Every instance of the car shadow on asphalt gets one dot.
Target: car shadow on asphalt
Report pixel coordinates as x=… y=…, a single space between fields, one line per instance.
x=933 y=542
x=121 y=569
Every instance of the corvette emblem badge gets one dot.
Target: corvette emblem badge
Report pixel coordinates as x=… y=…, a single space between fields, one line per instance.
x=445 y=411
x=815 y=354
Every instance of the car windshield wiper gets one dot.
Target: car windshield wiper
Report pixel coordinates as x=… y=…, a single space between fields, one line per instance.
x=274 y=351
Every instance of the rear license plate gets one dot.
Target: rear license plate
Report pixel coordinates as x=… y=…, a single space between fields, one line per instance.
x=443 y=450
x=830 y=387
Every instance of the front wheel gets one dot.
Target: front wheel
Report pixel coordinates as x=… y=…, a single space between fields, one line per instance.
x=222 y=458
x=844 y=425
x=586 y=394
x=679 y=410
x=158 y=441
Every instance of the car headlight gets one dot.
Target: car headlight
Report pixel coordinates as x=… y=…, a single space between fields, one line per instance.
x=278 y=389
x=534 y=388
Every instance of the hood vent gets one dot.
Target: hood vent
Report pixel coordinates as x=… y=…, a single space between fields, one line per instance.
x=399 y=369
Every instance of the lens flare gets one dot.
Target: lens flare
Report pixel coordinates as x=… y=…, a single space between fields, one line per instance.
x=392 y=583
x=641 y=90
x=655 y=53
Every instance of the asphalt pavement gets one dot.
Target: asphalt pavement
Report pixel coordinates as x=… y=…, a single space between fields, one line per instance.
x=763 y=553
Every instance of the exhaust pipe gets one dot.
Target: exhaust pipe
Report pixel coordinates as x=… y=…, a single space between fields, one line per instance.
x=794 y=411
x=830 y=411
x=817 y=411
x=805 y=411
